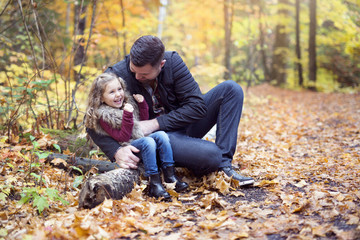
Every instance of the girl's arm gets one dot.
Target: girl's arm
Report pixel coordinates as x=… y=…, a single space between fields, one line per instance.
x=124 y=133
x=143 y=107
x=143 y=110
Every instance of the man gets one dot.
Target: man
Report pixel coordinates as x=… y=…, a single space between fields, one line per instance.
x=177 y=106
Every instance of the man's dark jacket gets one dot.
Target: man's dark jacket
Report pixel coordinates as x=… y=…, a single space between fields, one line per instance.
x=179 y=94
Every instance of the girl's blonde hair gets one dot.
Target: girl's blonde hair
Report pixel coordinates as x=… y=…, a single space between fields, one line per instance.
x=95 y=95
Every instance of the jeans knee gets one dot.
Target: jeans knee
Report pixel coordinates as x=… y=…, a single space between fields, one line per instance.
x=211 y=161
x=161 y=135
x=149 y=143
x=215 y=159
x=234 y=89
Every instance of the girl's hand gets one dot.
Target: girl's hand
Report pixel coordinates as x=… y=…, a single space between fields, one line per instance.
x=128 y=107
x=138 y=97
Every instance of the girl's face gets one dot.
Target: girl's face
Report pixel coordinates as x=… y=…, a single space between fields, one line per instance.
x=114 y=94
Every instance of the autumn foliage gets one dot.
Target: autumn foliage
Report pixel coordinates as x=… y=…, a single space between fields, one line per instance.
x=50 y=51
x=301 y=147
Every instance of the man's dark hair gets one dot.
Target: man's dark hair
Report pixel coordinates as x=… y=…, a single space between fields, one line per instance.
x=147 y=49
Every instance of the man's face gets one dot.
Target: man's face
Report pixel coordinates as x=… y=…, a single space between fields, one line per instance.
x=147 y=73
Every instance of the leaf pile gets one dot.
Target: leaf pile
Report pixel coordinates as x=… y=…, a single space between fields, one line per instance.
x=301 y=147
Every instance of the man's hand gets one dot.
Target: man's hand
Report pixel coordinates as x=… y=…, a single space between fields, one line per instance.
x=149 y=126
x=126 y=158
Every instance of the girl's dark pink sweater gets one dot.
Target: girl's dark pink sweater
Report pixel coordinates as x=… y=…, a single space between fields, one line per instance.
x=124 y=133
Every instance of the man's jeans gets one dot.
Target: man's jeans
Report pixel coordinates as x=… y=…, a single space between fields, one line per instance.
x=224 y=103
x=157 y=142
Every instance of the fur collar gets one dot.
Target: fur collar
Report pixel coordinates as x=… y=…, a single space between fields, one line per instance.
x=114 y=117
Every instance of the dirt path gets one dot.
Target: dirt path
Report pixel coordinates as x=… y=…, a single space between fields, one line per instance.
x=303 y=148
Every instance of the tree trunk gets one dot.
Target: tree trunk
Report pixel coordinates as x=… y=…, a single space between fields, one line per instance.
x=312 y=42
x=62 y=65
x=162 y=14
x=298 y=49
x=228 y=16
x=278 y=68
x=123 y=26
x=79 y=76
x=79 y=52
x=80 y=22
x=250 y=66
x=262 y=44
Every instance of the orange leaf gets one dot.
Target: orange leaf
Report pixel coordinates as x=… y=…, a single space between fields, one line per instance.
x=67 y=152
x=58 y=161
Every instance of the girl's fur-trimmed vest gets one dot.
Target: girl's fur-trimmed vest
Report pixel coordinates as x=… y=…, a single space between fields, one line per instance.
x=114 y=117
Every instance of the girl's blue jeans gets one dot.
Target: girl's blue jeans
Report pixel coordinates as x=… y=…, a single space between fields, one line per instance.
x=149 y=146
x=224 y=103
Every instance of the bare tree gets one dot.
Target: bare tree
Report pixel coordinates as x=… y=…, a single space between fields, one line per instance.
x=162 y=15
x=228 y=20
x=250 y=52
x=298 y=49
x=262 y=42
x=80 y=55
x=80 y=22
x=312 y=42
x=281 y=45
x=123 y=26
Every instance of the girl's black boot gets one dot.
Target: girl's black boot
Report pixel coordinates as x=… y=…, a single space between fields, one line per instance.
x=156 y=189
x=170 y=177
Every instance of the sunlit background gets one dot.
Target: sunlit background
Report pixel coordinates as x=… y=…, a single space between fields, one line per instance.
x=51 y=50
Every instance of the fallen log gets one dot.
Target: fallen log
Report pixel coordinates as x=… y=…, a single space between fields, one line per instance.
x=114 y=184
x=85 y=164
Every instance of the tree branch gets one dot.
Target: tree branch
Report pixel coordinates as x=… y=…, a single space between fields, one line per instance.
x=2 y=12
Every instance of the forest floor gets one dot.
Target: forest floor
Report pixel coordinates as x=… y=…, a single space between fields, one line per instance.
x=301 y=147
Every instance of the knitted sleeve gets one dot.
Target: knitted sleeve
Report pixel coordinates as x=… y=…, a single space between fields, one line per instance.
x=143 y=110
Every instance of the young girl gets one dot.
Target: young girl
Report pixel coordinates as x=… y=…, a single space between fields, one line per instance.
x=112 y=111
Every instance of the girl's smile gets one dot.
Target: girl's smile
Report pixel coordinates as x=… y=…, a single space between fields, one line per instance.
x=113 y=95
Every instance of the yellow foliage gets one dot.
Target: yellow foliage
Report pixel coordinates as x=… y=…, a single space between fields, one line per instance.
x=88 y=71
x=3 y=77
x=353 y=46
x=208 y=75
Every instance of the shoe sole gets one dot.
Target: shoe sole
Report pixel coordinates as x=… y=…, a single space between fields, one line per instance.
x=166 y=199
x=247 y=182
x=181 y=189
